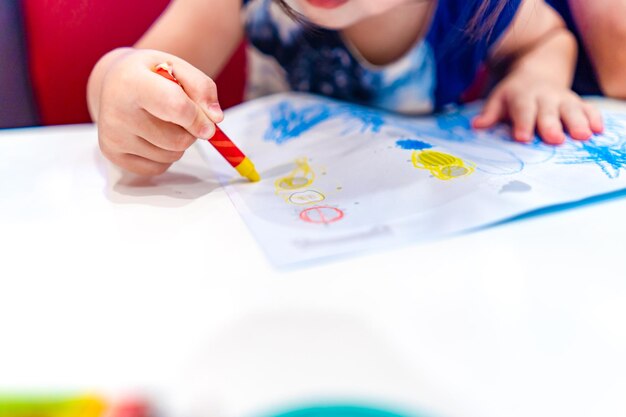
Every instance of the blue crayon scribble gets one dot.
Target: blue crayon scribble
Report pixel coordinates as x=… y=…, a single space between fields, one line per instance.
x=288 y=122
x=371 y=120
x=412 y=144
x=607 y=151
x=610 y=159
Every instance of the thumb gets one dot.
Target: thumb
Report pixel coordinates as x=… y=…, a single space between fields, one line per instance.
x=164 y=86
x=167 y=101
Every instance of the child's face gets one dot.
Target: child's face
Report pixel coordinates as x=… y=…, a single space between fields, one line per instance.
x=339 y=14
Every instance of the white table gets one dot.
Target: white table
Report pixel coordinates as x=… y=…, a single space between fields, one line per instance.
x=114 y=283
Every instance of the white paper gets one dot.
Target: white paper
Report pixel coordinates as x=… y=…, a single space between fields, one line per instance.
x=339 y=178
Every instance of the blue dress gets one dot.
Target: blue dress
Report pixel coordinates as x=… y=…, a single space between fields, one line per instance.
x=436 y=71
x=585 y=80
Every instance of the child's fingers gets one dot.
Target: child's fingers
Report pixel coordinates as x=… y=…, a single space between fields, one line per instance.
x=147 y=150
x=523 y=114
x=549 y=122
x=492 y=113
x=199 y=87
x=595 y=118
x=165 y=100
x=133 y=163
x=135 y=145
x=576 y=121
x=139 y=165
x=165 y=135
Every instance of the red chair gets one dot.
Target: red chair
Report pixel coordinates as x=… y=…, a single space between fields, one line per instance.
x=65 y=38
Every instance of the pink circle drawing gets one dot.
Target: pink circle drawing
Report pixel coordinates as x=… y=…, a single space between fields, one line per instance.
x=321 y=215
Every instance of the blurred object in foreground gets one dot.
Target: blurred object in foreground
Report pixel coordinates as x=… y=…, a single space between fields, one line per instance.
x=79 y=406
x=295 y=362
x=341 y=410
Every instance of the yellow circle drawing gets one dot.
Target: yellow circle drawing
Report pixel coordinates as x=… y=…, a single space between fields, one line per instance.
x=300 y=177
x=442 y=165
x=306 y=197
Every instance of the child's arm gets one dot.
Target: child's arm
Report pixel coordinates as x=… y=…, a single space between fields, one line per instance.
x=202 y=32
x=535 y=92
x=602 y=25
x=146 y=122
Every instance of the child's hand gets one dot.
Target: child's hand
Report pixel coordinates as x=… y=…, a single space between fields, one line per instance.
x=145 y=121
x=539 y=106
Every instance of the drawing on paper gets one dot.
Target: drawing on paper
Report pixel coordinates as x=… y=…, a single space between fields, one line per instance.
x=342 y=177
x=288 y=122
x=413 y=144
x=301 y=176
x=441 y=165
x=306 y=197
x=321 y=215
x=607 y=151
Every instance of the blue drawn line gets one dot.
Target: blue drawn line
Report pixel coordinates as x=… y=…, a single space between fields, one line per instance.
x=607 y=151
x=556 y=208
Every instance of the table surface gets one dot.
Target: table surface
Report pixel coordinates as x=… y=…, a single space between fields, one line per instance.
x=112 y=282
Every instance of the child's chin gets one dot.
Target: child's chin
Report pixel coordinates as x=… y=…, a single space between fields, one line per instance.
x=332 y=23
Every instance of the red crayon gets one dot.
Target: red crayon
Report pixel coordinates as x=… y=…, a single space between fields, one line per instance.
x=220 y=141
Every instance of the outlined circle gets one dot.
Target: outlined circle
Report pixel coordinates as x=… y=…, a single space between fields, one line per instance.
x=303 y=198
x=321 y=215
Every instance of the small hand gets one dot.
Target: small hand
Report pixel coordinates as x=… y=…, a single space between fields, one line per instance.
x=146 y=122
x=539 y=106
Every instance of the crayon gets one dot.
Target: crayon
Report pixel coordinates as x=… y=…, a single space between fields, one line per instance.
x=220 y=141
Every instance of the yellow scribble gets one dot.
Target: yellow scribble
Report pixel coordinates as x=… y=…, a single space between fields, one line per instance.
x=442 y=165
x=300 y=177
